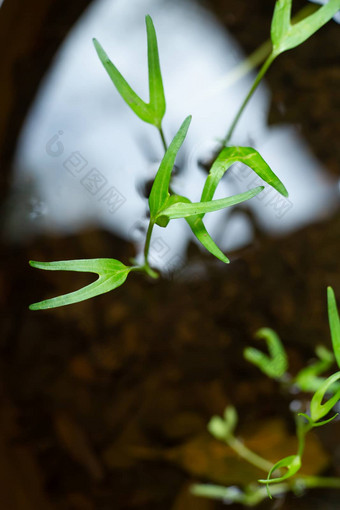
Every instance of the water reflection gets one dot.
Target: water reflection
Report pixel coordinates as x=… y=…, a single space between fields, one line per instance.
x=88 y=157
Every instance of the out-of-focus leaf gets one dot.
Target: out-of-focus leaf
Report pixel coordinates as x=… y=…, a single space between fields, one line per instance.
x=223 y=428
x=317 y=409
x=334 y=323
x=307 y=379
x=183 y=210
x=160 y=188
x=286 y=36
x=250 y=157
x=275 y=365
x=111 y=274
x=153 y=111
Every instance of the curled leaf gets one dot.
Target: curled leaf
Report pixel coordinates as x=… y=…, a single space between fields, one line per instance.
x=246 y=155
x=317 y=409
x=292 y=463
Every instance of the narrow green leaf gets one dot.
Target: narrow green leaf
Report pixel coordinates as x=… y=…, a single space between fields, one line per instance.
x=304 y=29
x=141 y=109
x=274 y=366
x=250 y=157
x=160 y=188
x=111 y=274
x=281 y=20
x=317 y=409
x=198 y=228
x=157 y=98
x=334 y=323
x=183 y=210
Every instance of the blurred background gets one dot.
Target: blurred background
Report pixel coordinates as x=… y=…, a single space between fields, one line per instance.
x=104 y=404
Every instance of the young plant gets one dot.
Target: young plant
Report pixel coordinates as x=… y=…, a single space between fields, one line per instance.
x=285 y=36
x=164 y=204
x=275 y=367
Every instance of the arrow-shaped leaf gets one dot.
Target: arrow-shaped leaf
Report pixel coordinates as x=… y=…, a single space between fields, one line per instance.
x=334 y=323
x=250 y=157
x=160 y=188
x=286 y=36
x=111 y=274
x=153 y=111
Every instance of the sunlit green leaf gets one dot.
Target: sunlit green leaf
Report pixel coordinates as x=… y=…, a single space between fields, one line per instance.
x=286 y=36
x=334 y=323
x=317 y=409
x=250 y=157
x=183 y=210
x=275 y=365
x=157 y=98
x=153 y=111
x=111 y=274
x=160 y=188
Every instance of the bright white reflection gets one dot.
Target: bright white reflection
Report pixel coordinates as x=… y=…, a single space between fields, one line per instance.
x=85 y=154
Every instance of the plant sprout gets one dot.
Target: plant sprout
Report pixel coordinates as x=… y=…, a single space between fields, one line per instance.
x=275 y=366
x=164 y=204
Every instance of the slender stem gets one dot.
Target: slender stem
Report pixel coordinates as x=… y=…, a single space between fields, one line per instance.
x=146 y=267
x=160 y=129
x=258 y=78
x=248 y=455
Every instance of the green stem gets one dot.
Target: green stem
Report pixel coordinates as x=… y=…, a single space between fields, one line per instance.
x=160 y=129
x=146 y=267
x=312 y=482
x=257 y=81
x=248 y=455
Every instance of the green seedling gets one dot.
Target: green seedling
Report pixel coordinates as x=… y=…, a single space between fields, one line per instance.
x=285 y=36
x=282 y=476
x=274 y=366
x=164 y=204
